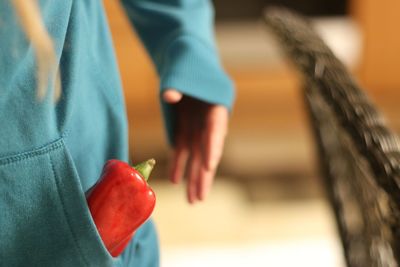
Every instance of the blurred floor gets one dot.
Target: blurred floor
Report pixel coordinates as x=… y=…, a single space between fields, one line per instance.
x=231 y=229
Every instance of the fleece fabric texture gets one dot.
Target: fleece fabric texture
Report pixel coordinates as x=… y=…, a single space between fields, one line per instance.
x=51 y=153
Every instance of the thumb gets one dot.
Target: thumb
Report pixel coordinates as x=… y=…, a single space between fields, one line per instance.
x=172 y=96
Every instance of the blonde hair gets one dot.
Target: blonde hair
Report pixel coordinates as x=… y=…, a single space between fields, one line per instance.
x=28 y=12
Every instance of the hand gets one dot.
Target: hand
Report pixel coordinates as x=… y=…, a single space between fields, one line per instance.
x=199 y=140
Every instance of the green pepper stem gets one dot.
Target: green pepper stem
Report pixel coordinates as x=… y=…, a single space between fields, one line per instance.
x=145 y=168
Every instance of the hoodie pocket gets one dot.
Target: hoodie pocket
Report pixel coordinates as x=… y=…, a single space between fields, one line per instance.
x=44 y=217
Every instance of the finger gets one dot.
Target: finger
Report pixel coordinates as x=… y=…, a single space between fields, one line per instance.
x=179 y=160
x=172 y=96
x=181 y=150
x=194 y=171
x=214 y=137
x=204 y=183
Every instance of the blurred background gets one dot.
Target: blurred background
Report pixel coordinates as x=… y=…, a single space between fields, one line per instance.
x=268 y=206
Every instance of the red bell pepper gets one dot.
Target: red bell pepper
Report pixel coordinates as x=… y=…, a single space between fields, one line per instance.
x=120 y=202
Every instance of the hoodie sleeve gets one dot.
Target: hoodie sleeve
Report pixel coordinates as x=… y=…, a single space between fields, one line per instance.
x=179 y=36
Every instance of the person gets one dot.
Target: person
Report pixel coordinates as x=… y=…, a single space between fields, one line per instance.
x=59 y=125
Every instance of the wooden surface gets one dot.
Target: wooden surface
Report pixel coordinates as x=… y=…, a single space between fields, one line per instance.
x=379 y=22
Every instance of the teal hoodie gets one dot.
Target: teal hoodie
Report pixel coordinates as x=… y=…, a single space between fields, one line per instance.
x=51 y=153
